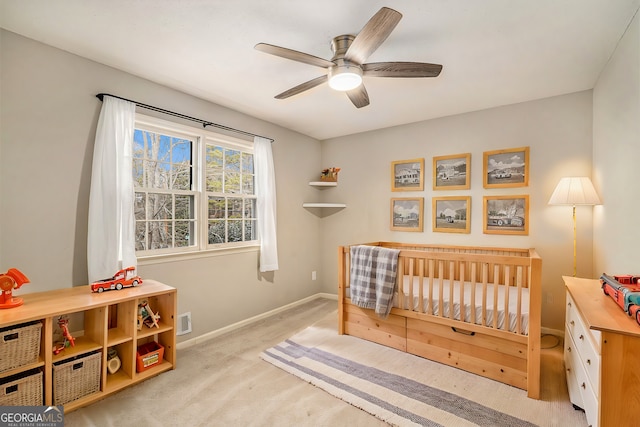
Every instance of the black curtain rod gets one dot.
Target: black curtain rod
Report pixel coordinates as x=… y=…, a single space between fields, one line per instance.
x=204 y=123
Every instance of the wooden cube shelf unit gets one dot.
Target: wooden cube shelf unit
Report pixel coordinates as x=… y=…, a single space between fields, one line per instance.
x=109 y=320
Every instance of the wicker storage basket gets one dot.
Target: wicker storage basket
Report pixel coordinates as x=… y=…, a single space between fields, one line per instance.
x=19 y=345
x=22 y=390
x=76 y=378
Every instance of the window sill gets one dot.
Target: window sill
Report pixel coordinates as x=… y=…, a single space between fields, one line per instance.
x=185 y=256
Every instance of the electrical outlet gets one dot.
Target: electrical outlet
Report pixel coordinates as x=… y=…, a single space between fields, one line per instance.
x=314 y=276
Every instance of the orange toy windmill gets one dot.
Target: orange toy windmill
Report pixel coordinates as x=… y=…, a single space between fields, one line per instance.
x=12 y=279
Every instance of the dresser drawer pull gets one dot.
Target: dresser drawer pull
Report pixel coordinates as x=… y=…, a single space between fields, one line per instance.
x=581 y=337
x=569 y=349
x=569 y=303
x=588 y=361
x=572 y=323
x=584 y=386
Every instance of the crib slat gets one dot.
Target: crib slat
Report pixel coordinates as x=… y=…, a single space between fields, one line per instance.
x=485 y=279
x=399 y=286
x=519 y=310
x=431 y=275
x=411 y=275
x=462 y=285
x=440 y=288
x=421 y=285
x=474 y=281
x=496 y=281
x=452 y=272
x=507 y=287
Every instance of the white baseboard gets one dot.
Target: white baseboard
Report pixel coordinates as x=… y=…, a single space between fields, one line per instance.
x=210 y=335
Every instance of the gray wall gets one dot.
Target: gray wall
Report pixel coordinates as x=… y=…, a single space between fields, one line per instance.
x=616 y=150
x=48 y=114
x=559 y=133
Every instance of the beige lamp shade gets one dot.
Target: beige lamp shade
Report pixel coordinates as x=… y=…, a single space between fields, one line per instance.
x=574 y=190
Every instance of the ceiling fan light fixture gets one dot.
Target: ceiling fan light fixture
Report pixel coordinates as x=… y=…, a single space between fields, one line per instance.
x=345 y=77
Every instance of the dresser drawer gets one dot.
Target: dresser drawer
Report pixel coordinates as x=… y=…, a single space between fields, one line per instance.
x=584 y=344
x=585 y=390
x=572 y=381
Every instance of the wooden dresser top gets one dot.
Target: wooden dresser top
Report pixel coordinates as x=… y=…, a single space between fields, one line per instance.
x=598 y=310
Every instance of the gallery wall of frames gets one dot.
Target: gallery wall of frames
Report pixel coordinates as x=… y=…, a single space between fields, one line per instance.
x=450 y=205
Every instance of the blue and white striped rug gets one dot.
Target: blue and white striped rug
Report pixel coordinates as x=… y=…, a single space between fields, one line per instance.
x=407 y=390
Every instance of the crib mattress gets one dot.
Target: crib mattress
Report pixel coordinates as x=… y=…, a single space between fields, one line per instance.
x=491 y=311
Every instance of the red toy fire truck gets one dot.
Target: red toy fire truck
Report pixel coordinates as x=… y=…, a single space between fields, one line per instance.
x=625 y=291
x=124 y=278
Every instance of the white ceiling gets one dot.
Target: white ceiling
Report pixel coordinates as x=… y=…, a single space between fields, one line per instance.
x=494 y=52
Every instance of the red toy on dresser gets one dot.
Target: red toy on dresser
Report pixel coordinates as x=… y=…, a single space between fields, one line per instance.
x=625 y=291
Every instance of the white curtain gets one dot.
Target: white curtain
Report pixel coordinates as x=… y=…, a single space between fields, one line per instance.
x=266 y=195
x=111 y=234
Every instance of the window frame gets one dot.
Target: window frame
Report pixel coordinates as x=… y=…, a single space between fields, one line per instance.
x=200 y=138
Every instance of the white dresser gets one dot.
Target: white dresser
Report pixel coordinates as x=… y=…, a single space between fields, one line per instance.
x=601 y=356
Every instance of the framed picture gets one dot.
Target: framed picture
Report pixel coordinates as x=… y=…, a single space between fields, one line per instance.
x=452 y=172
x=407 y=175
x=451 y=214
x=506 y=168
x=506 y=215
x=407 y=213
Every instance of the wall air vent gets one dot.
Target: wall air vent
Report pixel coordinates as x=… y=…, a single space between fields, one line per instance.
x=184 y=323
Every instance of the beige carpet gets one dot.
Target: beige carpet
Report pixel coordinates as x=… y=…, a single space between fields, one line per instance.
x=406 y=390
x=223 y=382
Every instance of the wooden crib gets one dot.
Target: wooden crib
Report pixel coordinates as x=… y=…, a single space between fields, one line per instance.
x=497 y=336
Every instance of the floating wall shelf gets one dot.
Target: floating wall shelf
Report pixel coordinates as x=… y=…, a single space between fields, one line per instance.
x=324 y=205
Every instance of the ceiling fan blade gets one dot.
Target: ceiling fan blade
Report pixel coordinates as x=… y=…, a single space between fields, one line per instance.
x=401 y=69
x=359 y=96
x=372 y=35
x=302 y=87
x=294 y=55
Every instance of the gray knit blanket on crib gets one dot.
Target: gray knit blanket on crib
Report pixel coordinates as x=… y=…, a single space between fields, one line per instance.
x=373 y=278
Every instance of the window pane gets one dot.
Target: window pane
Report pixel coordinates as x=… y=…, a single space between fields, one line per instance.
x=235 y=231
x=160 y=206
x=182 y=170
x=232 y=171
x=214 y=162
x=217 y=233
x=234 y=208
x=216 y=207
x=247 y=163
x=184 y=207
x=181 y=177
x=250 y=208
x=138 y=173
x=164 y=149
x=184 y=233
x=232 y=182
x=232 y=160
x=138 y=144
x=250 y=230
x=248 y=184
x=160 y=235
x=141 y=232
x=139 y=204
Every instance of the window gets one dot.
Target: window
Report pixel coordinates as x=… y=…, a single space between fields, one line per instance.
x=194 y=189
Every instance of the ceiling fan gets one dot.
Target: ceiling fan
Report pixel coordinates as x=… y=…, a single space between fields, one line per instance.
x=346 y=69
